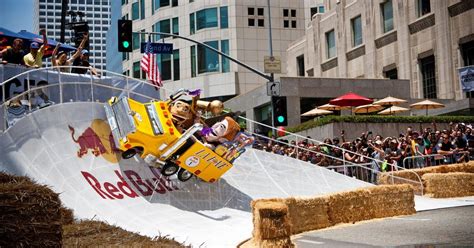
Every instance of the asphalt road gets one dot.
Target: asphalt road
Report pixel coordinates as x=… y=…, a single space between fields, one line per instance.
x=435 y=228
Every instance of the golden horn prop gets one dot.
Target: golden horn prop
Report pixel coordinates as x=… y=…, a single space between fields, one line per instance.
x=215 y=107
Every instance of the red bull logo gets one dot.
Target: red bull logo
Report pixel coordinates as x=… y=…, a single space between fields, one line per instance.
x=98 y=140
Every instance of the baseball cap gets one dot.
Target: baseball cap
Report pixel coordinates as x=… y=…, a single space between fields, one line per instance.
x=85 y=52
x=34 y=45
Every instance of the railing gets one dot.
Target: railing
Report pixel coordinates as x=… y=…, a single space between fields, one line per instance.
x=65 y=87
x=420 y=161
x=68 y=87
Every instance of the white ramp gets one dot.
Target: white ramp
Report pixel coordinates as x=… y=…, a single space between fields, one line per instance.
x=131 y=195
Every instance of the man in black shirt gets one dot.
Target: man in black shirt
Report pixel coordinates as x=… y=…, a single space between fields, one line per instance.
x=14 y=54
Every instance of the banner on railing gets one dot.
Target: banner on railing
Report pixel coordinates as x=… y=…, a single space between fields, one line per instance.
x=466 y=78
x=76 y=87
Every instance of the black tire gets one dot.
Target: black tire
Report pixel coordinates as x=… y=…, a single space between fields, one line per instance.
x=184 y=175
x=129 y=153
x=169 y=169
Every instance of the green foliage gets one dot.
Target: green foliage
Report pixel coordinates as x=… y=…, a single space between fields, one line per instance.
x=378 y=119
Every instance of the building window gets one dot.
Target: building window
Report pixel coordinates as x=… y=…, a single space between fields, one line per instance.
x=206 y=18
x=174 y=3
x=387 y=15
x=164 y=62
x=142 y=9
x=176 y=75
x=391 y=74
x=193 y=61
x=175 y=23
x=300 y=65
x=225 y=61
x=356 y=24
x=164 y=26
x=224 y=17
x=289 y=16
x=136 y=69
x=136 y=41
x=135 y=11
x=467 y=52
x=428 y=74
x=251 y=11
x=251 y=22
x=256 y=19
x=423 y=7
x=208 y=61
x=192 y=26
x=330 y=44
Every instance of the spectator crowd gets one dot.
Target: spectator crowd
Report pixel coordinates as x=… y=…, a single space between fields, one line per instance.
x=14 y=53
x=411 y=149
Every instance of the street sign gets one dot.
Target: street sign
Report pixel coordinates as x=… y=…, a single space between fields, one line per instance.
x=272 y=64
x=163 y=48
x=273 y=88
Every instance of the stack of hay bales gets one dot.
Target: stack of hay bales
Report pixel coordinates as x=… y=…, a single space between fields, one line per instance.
x=275 y=220
x=271 y=224
x=456 y=184
x=30 y=214
x=447 y=180
x=386 y=178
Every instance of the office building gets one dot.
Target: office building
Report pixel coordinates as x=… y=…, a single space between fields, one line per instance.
x=237 y=28
x=425 y=41
x=47 y=14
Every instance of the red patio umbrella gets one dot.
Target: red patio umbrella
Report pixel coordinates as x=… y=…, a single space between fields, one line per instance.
x=350 y=99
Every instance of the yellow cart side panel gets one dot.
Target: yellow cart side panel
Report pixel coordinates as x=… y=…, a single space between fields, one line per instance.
x=199 y=157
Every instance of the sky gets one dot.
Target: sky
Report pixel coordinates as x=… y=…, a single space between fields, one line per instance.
x=16 y=15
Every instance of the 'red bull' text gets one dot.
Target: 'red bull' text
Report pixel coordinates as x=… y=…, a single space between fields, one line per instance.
x=122 y=189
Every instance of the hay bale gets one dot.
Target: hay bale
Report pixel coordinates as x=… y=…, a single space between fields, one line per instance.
x=67 y=215
x=399 y=176
x=455 y=184
x=370 y=203
x=90 y=233
x=29 y=214
x=307 y=213
x=272 y=226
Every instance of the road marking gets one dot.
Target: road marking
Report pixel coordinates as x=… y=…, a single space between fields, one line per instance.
x=310 y=241
x=412 y=219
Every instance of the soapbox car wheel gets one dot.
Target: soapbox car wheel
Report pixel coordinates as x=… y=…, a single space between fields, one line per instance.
x=129 y=153
x=184 y=175
x=169 y=169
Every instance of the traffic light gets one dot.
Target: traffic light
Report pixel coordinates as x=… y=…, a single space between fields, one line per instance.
x=125 y=36
x=280 y=117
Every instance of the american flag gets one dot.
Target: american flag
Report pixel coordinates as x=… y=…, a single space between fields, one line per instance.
x=148 y=65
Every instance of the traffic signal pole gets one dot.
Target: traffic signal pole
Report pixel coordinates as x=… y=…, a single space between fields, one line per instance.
x=214 y=50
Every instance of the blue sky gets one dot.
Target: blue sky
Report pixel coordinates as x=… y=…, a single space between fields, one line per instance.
x=16 y=15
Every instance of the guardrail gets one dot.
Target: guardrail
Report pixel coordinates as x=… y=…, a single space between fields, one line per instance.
x=70 y=87
x=420 y=161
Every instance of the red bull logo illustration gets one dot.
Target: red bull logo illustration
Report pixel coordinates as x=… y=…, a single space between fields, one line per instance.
x=98 y=139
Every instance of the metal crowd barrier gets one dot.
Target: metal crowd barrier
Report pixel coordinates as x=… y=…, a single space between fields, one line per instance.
x=422 y=161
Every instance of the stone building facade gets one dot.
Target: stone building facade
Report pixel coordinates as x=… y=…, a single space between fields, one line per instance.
x=424 y=41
